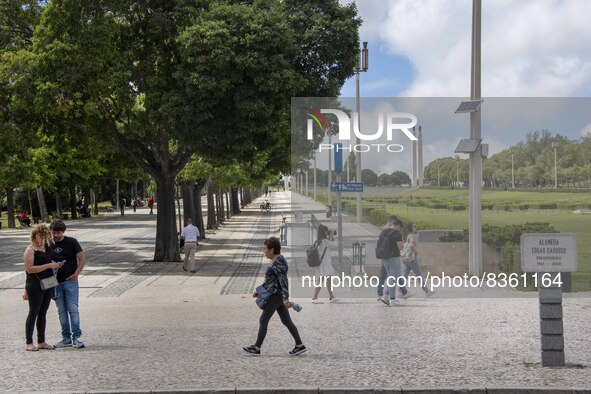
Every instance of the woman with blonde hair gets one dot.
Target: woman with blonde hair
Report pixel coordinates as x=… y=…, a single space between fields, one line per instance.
x=38 y=265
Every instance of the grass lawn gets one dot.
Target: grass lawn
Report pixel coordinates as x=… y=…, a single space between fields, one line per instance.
x=4 y=220
x=563 y=220
x=508 y=196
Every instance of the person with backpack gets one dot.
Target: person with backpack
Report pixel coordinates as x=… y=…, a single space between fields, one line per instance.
x=410 y=262
x=324 y=242
x=383 y=273
x=388 y=250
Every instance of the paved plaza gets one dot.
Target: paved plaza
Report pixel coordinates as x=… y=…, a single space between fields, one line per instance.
x=152 y=326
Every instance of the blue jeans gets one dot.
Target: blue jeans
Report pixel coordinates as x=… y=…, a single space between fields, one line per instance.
x=66 y=300
x=382 y=279
x=413 y=266
x=392 y=269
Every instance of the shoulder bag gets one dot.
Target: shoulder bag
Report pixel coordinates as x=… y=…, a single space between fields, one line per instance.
x=263 y=296
x=47 y=283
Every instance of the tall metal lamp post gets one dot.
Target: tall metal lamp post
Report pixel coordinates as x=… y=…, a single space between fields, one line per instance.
x=438 y=182
x=362 y=66
x=512 y=149
x=473 y=146
x=457 y=171
x=554 y=146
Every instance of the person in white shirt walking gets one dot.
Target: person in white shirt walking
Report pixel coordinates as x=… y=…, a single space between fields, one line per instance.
x=190 y=234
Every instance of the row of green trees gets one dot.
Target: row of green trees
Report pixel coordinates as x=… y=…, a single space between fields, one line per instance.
x=370 y=178
x=183 y=90
x=533 y=164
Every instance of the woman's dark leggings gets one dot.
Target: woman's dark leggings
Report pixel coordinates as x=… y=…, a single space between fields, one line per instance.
x=275 y=303
x=38 y=305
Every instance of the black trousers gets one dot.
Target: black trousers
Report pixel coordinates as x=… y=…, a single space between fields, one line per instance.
x=276 y=304
x=39 y=301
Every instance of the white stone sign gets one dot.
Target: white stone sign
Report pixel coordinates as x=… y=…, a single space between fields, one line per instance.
x=549 y=252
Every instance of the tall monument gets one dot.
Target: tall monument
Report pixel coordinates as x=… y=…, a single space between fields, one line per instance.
x=421 y=175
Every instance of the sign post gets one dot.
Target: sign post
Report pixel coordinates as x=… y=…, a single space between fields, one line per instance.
x=547 y=255
x=338 y=167
x=340 y=187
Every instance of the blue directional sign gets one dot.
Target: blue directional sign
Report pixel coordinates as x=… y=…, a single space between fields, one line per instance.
x=354 y=187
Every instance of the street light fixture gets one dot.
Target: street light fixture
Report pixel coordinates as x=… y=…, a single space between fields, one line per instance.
x=475 y=163
x=554 y=146
x=512 y=149
x=362 y=66
x=438 y=183
x=457 y=171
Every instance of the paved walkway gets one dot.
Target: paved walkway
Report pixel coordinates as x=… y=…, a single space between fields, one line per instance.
x=151 y=326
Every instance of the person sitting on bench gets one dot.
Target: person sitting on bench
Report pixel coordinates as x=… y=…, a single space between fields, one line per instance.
x=24 y=219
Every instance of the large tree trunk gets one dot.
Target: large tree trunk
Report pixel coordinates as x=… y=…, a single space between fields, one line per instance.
x=30 y=202
x=220 y=200
x=10 y=207
x=211 y=216
x=42 y=206
x=228 y=207
x=73 y=210
x=179 y=213
x=235 y=201
x=58 y=205
x=94 y=201
x=188 y=201
x=197 y=188
x=167 y=247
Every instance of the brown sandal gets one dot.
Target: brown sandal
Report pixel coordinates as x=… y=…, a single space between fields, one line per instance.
x=46 y=346
x=31 y=348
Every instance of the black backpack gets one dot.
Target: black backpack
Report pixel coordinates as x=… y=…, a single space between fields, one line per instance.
x=385 y=246
x=313 y=257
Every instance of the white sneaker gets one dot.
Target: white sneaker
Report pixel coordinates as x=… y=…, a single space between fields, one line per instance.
x=385 y=299
x=429 y=293
x=317 y=301
x=394 y=302
x=409 y=294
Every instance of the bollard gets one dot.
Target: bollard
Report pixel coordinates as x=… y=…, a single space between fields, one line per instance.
x=551 y=327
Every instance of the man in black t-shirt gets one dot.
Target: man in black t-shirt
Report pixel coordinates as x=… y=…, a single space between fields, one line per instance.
x=390 y=270
x=67 y=292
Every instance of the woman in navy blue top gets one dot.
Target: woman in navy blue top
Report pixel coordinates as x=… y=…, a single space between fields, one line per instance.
x=276 y=283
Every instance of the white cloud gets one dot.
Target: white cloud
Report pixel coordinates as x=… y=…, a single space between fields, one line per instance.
x=586 y=130
x=529 y=47
x=381 y=84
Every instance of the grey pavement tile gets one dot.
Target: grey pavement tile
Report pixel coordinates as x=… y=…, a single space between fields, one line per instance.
x=529 y=390
x=276 y=390
x=200 y=390
x=179 y=333
x=360 y=390
x=444 y=389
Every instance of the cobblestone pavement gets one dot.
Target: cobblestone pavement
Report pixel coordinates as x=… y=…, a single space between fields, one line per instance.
x=153 y=326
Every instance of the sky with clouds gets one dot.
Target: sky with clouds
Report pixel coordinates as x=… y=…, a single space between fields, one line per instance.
x=530 y=48
x=422 y=48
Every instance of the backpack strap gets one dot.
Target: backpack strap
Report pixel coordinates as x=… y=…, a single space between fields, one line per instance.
x=321 y=257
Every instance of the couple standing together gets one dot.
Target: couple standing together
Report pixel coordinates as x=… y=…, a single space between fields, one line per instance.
x=51 y=252
x=394 y=254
